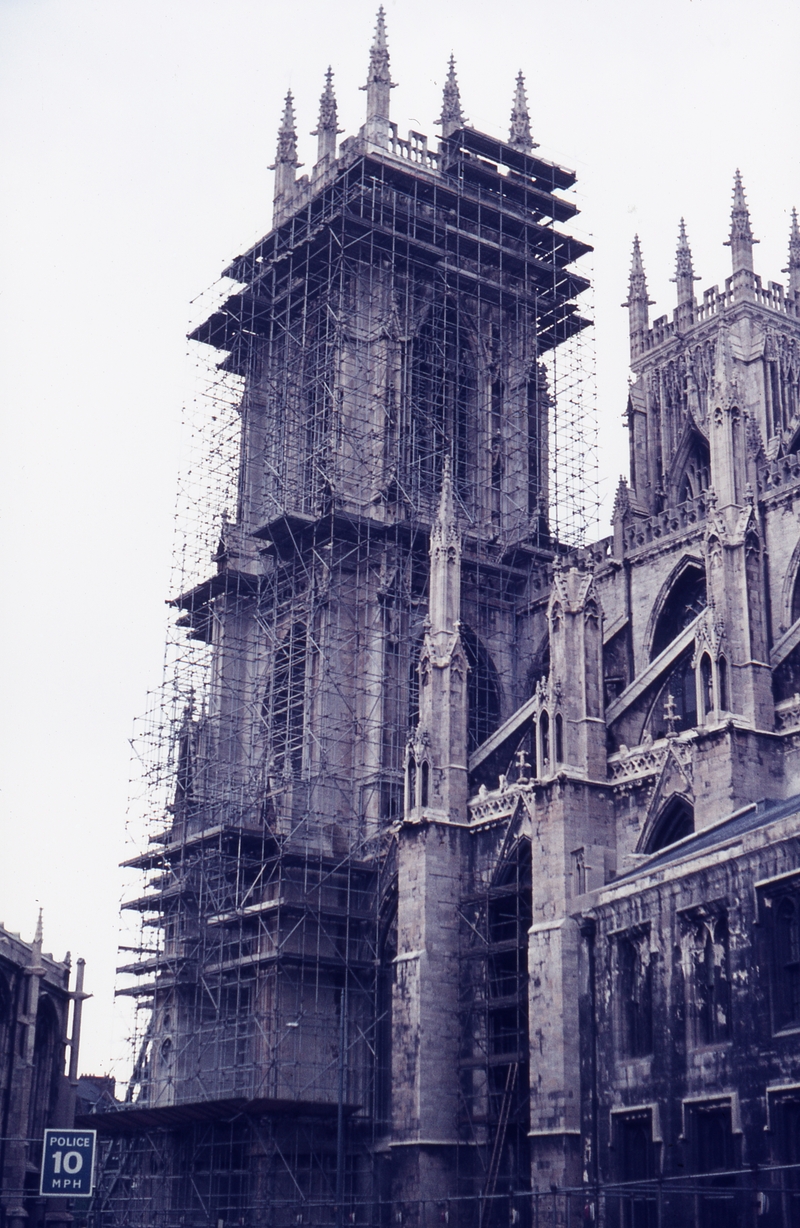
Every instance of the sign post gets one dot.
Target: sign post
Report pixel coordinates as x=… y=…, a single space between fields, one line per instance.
x=68 y=1163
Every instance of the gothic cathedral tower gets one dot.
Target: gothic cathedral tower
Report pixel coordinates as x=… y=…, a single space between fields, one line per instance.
x=388 y=341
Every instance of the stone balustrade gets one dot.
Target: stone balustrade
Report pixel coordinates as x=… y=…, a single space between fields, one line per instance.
x=413 y=149
x=787 y=714
x=677 y=519
x=783 y=471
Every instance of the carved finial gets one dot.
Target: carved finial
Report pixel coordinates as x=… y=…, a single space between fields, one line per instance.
x=38 y=936
x=522 y=766
x=637 y=282
x=287 y=136
x=637 y=301
x=446 y=514
x=622 y=500
x=327 y=130
x=285 y=162
x=444 y=599
x=452 y=117
x=793 y=267
x=671 y=715
x=741 y=237
x=684 y=269
x=379 y=51
x=379 y=83
x=520 y=134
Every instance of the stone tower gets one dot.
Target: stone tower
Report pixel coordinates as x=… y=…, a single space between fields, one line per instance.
x=355 y=641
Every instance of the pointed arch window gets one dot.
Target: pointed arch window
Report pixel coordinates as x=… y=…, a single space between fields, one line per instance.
x=424 y=782
x=411 y=782
x=508 y=918
x=678 y=695
x=544 y=743
x=686 y=599
x=442 y=390
x=675 y=822
x=559 y=732
x=707 y=685
x=712 y=984
x=46 y=1057
x=538 y=410
x=284 y=704
x=696 y=473
x=786 y=962
x=483 y=691
x=722 y=675
x=634 y=995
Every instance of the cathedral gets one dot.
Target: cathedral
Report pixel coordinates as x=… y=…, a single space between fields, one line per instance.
x=475 y=899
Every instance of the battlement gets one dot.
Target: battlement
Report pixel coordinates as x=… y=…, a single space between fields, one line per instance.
x=743 y=288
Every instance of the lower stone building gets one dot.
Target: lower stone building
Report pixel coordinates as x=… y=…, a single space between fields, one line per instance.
x=35 y=1089
x=689 y=970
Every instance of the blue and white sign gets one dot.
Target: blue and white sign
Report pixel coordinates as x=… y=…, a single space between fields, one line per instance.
x=68 y=1163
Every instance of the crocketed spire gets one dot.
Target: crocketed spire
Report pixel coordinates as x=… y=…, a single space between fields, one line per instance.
x=452 y=117
x=793 y=267
x=520 y=134
x=637 y=301
x=637 y=283
x=286 y=162
x=445 y=548
x=741 y=238
x=327 y=125
x=287 y=137
x=379 y=83
x=684 y=269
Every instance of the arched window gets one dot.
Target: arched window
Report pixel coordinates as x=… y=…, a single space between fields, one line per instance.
x=496 y=401
x=284 y=703
x=787 y=962
x=45 y=1067
x=559 y=726
x=633 y=984
x=5 y=1019
x=695 y=476
x=796 y=598
x=686 y=599
x=538 y=410
x=722 y=674
x=675 y=706
x=707 y=685
x=425 y=772
x=412 y=782
x=540 y=665
x=712 y=983
x=508 y=919
x=544 y=743
x=483 y=691
x=675 y=822
x=413 y=684
x=442 y=396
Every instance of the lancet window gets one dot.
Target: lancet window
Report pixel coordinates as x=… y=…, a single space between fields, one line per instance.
x=634 y=994
x=284 y=704
x=483 y=691
x=708 y=980
x=686 y=599
x=675 y=706
x=442 y=389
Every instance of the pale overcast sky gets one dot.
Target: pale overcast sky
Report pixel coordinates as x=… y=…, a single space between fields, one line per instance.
x=136 y=138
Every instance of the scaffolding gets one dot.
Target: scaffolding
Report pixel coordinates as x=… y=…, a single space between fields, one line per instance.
x=415 y=308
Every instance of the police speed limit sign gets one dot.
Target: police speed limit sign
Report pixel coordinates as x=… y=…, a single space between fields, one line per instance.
x=68 y=1162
